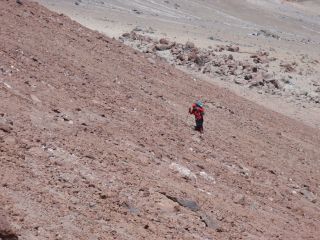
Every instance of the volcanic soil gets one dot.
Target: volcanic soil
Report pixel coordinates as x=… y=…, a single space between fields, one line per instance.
x=96 y=143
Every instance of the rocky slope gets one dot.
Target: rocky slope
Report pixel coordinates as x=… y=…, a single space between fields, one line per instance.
x=256 y=70
x=286 y=81
x=96 y=143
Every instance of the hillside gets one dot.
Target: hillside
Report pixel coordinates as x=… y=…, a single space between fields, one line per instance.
x=286 y=33
x=96 y=143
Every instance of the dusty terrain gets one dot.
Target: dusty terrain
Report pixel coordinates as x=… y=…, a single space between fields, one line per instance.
x=96 y=143
x=288 y=31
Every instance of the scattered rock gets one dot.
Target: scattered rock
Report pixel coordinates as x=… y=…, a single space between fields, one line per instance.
x=289 y=67
x=266 y=33
x=137 y=11
x=252 y=74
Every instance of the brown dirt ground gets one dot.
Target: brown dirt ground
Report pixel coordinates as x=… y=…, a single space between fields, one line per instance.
x=96 y=143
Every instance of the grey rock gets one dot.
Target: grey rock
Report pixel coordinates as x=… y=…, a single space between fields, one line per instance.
x=267 y=33
x=162 y=47
x=137 y=11
x=239 y=199
x=138 y=29
x=151 y=60
x=192 y=205
x=5 y=128
x=308 y=195
x=164 y=41
x=189 y=45
x=210 y=221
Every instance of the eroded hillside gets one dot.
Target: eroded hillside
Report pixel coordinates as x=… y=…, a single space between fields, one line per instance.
x=96 y=143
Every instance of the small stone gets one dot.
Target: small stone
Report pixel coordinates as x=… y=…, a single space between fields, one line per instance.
x=103 y=196
x=192 y=205
x=126 y=35
x=138 y=29
x=137 y=11
x=308 y=195
x=152 y=61
x=35 y=98
x=210 y=221
x=239 y=199
x=233 y=49
x=248 y=77
x=164 y=41
x=189 y=45
x=238 y=81
x=162 y=47
x=10 y=140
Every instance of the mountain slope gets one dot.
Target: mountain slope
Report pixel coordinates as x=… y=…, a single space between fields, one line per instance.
x=96 y=143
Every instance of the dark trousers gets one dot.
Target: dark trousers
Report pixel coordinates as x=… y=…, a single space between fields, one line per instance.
x=199 y=125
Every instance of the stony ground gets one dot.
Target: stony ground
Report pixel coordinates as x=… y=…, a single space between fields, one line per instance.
x=96 y=143
x=287 y=32
x=259 y=70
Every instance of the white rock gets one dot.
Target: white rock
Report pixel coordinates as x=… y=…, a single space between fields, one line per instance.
x=183 y=171
x=206 y=176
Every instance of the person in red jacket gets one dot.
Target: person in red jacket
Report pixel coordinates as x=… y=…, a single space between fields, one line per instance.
x=198 y=111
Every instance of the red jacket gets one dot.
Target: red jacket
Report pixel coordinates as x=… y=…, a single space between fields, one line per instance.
x=197 y=111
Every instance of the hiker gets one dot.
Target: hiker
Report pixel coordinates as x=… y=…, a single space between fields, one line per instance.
x=198 y=111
